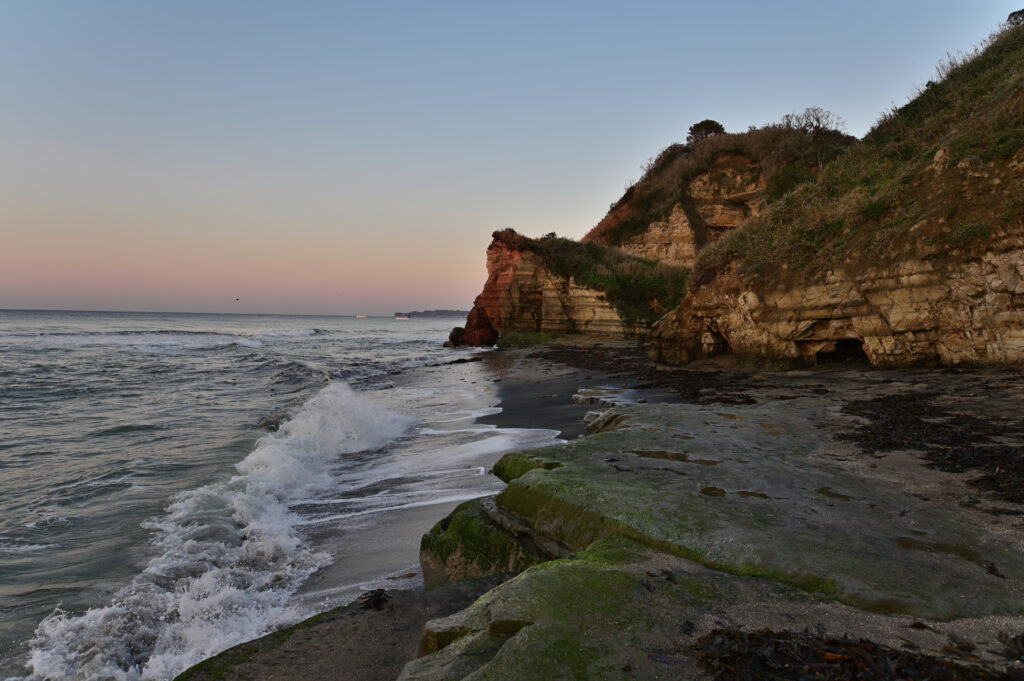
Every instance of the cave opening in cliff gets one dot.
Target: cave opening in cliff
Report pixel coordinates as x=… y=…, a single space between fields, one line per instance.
x=845 y=350
x=713 y=343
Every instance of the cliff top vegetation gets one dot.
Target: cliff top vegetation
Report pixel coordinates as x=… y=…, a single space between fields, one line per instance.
x=788 y=153
x=934 y=178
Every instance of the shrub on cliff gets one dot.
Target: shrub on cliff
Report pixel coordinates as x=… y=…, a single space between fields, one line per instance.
x=704 y=129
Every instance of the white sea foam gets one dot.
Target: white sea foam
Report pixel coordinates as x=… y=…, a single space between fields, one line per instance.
x=433 y=500
x=475 y=431
x=471 y=414
x=500 y=441
x=228 y=559
x=285 y=333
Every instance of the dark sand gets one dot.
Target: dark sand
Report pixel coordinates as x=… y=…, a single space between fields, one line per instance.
x=538 y=394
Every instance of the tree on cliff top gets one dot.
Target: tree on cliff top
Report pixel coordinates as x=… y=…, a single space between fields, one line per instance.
x=814 y=120
x=706 y=128
x=824 y=128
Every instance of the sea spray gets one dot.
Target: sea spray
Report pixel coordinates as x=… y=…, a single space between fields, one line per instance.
x=228 y=559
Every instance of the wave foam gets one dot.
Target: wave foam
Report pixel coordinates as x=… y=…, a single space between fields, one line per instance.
x=229 y=558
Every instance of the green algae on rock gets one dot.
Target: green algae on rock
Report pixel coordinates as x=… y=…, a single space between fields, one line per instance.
x=621 y=609
x=774 y=505
x=469 y=543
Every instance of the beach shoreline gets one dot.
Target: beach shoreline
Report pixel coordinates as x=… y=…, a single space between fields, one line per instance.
x=535 y=386
x=373 y=643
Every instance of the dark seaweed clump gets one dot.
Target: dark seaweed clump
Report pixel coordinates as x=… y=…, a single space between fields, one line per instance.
x=951 y=442
x=733 y=655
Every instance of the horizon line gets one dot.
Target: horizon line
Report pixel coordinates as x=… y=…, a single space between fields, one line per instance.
x=388 y=315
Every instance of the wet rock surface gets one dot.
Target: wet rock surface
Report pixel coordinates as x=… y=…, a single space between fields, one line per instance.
x=622 y=610
x=823 y=523
x=631 y=366
x=835 y=523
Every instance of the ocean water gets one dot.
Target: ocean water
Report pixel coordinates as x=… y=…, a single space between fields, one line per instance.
x=174 y=484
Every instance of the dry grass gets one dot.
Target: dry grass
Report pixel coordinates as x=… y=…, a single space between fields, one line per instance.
x=787 y=156
x=860 y=209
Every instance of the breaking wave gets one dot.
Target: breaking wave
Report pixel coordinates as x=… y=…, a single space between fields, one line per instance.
x=228 y=557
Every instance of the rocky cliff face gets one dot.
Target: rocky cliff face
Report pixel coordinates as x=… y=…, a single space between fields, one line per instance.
x=922 y=310
x=521 y=294
x=712 y=203
x=954 y=293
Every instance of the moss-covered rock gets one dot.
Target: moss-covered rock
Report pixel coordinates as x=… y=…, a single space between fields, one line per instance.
x=621 y=609
x=756 y=494
x=516 y=464
x=469 y=543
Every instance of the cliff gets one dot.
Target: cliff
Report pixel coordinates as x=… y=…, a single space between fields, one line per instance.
x=921 y=310
x=908 y=249
x=805 y=244
x=691 y=195
x=714 y=201
x=559 y=287
x=632 y=267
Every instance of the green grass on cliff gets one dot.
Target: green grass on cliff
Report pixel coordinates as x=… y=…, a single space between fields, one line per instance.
x=925 y=180
x=788 y=154
x=640 y=290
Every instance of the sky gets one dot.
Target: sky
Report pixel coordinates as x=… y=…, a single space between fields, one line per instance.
x=354 y=157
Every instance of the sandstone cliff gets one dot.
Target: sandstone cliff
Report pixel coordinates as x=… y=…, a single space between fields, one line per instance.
x=910 y=312
x=714 y=201
x=909 y=249
x=630 y=269
x=530 y=288
x=805 y=244
x=521 y=294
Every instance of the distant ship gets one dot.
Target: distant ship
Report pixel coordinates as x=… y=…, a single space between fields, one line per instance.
x=397 y=317
x=360 y=316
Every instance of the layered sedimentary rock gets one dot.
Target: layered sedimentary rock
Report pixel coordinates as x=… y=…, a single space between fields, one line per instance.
x=712 y=203
x=923 y=310
x=521 y=294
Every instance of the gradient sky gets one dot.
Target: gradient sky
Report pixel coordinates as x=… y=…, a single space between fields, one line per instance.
x=343 y=157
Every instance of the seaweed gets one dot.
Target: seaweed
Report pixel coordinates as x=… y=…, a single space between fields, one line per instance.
x=765 y=655
x=950 y=441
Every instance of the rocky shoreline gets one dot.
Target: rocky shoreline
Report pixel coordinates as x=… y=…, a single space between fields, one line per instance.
x=719 y=522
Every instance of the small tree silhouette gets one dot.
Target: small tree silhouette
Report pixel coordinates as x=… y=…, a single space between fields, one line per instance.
x=706 y=128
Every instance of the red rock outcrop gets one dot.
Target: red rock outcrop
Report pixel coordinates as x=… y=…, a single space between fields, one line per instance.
x=521 y=294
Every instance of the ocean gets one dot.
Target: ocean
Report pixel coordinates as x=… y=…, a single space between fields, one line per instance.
x=174 y=484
